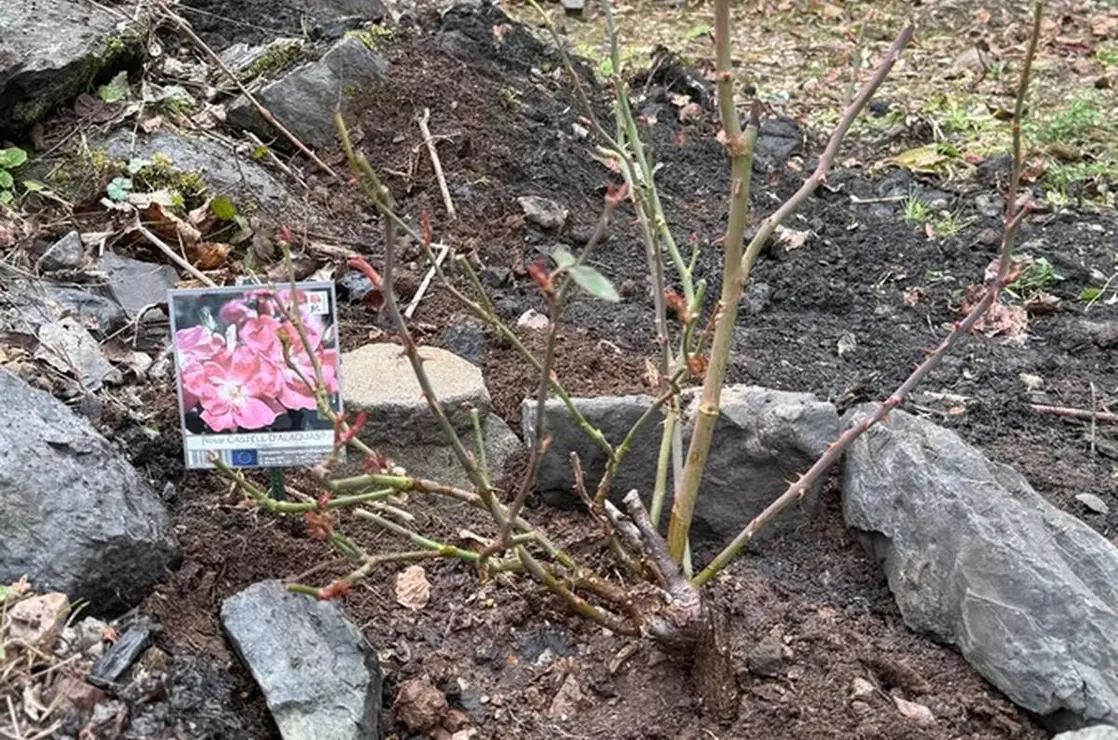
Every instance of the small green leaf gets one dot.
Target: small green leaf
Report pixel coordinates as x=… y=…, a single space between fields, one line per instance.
x=605 y=69
x=116 y=90
x=5 y=196
x=222 y=207
x=33 y=186
x=118 y=189
x=594 y=283
x=1090 y=294
x=563 y=258
x=5 y=179
x=12 y=158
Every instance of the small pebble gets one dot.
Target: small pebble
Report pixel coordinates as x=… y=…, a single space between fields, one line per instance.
x=1092 y=502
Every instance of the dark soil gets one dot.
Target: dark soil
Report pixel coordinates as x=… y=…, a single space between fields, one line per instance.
x=507 y=121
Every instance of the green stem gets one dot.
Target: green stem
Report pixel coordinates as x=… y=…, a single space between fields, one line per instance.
x=740 y=145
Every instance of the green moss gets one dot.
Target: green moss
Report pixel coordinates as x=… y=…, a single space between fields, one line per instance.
x=162 y=174
x=277 y=56
x=373 y=36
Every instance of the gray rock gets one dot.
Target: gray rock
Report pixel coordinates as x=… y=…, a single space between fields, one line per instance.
x=976 y=558
x=378 y=380
x=25 y=305
x=77 y=517
x=50 y=51
x=897 y=184
x=466 y=338
x=438 y=462
x=68 y=253
x=614 y=416
x=543 y=211
x=1095 y=732
x=304 y=98
x=777 y=140
x=989 y=205
x=763 y=439
x=244 y=180
x=134 y=284
x=319 y=676
x=69 y=348
x=353 y=286
x=766 y=657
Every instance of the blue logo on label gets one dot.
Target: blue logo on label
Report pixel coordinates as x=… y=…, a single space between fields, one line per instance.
x=242 y=458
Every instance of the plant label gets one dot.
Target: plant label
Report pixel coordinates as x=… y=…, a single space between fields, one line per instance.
x=253 y=366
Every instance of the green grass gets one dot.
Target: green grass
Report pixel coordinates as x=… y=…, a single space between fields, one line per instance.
x=916 y=211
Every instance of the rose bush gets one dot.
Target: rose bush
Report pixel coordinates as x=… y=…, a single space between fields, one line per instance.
x=237 y=374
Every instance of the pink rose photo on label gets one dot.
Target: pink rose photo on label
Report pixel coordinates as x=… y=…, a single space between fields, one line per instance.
x=243 y=365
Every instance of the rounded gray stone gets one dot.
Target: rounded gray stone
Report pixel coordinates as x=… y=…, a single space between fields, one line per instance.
x=378 y=379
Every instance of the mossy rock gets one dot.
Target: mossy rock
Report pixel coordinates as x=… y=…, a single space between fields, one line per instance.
x=52 y=52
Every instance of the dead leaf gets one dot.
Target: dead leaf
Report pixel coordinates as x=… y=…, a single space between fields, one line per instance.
x=208 y=255
x=982 y=16
x=169 y=226
x=921 y=159
x=912 y=296
x=1011 y=322
x=412 y=588
x=791 y=239
x=38 y=620
x=690 y=113
x=148 y=125
x=1042 y=304
x=1104 y=27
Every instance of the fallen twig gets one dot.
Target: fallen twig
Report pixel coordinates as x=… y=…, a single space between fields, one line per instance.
x=435 y=161
x=276 y=160
x=172 y=254
x=1093 y=416
x=414 y=304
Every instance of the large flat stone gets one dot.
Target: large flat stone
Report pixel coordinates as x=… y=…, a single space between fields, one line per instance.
x=244 y=180
x=762 y=440
x=321 y=679
x=25 y=305
x=978 y=559
x=50 y=52
x=303 y=99
x=77 y=517
x=136 y=285
x=378 y=380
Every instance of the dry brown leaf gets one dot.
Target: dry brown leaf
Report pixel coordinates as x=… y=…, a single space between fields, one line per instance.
x=412 y=588
x=1011 y=322
x=169 y=226
x=208 y=255
x=791 y=239
x=982 y=16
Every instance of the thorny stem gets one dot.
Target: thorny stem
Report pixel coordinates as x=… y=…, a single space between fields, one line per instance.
x=557 y=306
x=622 y=449
x=382 y=197
x=738 y=267
x=739 y=145
x=486 y=312
x=1014 y=215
